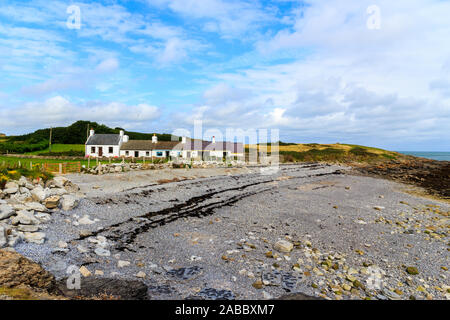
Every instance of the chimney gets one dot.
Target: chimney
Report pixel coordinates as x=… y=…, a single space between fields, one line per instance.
x=121 y=133
x=125 y=139
x=154 y=138
x=91 y=132
x=213 y=139
x=183 y=140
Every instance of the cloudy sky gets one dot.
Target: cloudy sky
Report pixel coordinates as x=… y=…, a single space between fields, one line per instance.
x=368 y=72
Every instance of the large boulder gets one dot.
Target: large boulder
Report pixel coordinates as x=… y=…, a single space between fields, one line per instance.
x=69 y=202
x=16 y=270
x=6 y=211
x=94 y=287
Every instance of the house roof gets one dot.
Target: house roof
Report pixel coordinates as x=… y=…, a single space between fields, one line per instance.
x=104 y=139
x=199 y=145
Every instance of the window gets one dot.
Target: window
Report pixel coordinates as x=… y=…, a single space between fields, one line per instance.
x=110 y=149
x=147 y=154
x=92 y=149
x=127 y=153
x=159 y=154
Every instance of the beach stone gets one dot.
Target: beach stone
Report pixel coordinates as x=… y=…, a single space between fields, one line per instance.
x=11 y=190
x=62 y=244
x=85 y=220
x=35 y=237
x=69 y=202
x=102 y=252
x=24 y=217
x=412 y=270
x=283 y=246
x=6 y=211
x=22 y=182
x=38 y=194
x=36 y=206
x=28 y=228
x=60 y=181
x=11 y=185
x=141 y=274
x=52 y=202
x=85 y=272
x=123 y=264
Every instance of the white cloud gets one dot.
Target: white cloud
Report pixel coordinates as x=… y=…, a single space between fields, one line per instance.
x=60 y=111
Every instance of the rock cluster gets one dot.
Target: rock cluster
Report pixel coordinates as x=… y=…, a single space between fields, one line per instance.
x=124 y=166
x=25 y=205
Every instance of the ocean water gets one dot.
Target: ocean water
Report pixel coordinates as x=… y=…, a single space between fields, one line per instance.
x=442 y=156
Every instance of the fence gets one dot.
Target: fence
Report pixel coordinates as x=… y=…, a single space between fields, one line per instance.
x=63 y=168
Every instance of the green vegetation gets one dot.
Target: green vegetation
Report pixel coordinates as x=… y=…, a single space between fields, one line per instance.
x=14 y=173
x=75 y=134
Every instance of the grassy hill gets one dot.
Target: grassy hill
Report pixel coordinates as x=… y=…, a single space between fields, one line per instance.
x=292 y=152
x=75 y=134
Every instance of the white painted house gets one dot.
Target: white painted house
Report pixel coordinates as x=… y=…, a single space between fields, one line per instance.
x=104 y=145
x=119 y=145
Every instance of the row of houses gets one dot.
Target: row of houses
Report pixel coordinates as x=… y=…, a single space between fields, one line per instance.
x=119 y=145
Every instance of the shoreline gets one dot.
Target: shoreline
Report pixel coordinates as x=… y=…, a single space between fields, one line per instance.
x=218 y=230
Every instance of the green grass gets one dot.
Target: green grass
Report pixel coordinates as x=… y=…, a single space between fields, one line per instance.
x=60 y=148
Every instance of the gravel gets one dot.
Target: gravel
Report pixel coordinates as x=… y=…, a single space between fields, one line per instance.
x=208 y=237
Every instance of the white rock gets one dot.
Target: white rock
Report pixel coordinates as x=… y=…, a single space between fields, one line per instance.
x=35 y=237
x=24 y=217
x=28 y=228
x=122 y=263
x=283 y=246
x=39 y=194
x=141 y=274
x=22 y=181
x=11 y=190
x=82 y=249
x=267 y=296
x=11 y=185
x=99 y=273
x=85 y=220
x=43 y=217
x=62 y=244
x=102 y=252
x=69 y=202
x=36 y=206
x=60 y=181
x=6 y=211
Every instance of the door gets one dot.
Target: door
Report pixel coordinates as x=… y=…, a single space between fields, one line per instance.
x=136 y=154
x=100 y=151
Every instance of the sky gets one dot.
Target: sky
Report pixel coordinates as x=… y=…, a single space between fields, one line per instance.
x=372 y=72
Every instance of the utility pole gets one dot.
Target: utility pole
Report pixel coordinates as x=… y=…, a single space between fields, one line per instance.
x=50 y=141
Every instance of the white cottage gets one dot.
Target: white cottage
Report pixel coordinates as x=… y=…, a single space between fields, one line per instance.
x=105 y=145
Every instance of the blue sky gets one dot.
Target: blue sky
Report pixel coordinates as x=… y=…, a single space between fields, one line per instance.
x=312 y=69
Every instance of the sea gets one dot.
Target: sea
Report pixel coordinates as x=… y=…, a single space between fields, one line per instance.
x=441 y=156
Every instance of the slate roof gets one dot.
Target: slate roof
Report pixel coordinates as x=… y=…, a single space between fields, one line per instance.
x=104 y=140
x=143 y=145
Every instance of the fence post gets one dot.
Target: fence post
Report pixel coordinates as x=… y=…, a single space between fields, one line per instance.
x=60 y=168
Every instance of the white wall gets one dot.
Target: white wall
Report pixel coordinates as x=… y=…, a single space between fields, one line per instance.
x=106 y=153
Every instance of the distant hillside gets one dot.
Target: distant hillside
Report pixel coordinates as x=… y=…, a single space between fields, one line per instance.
x=76 y=133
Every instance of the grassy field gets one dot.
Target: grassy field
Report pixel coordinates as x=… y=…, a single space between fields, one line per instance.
x=60 y=148
x=329 y=152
